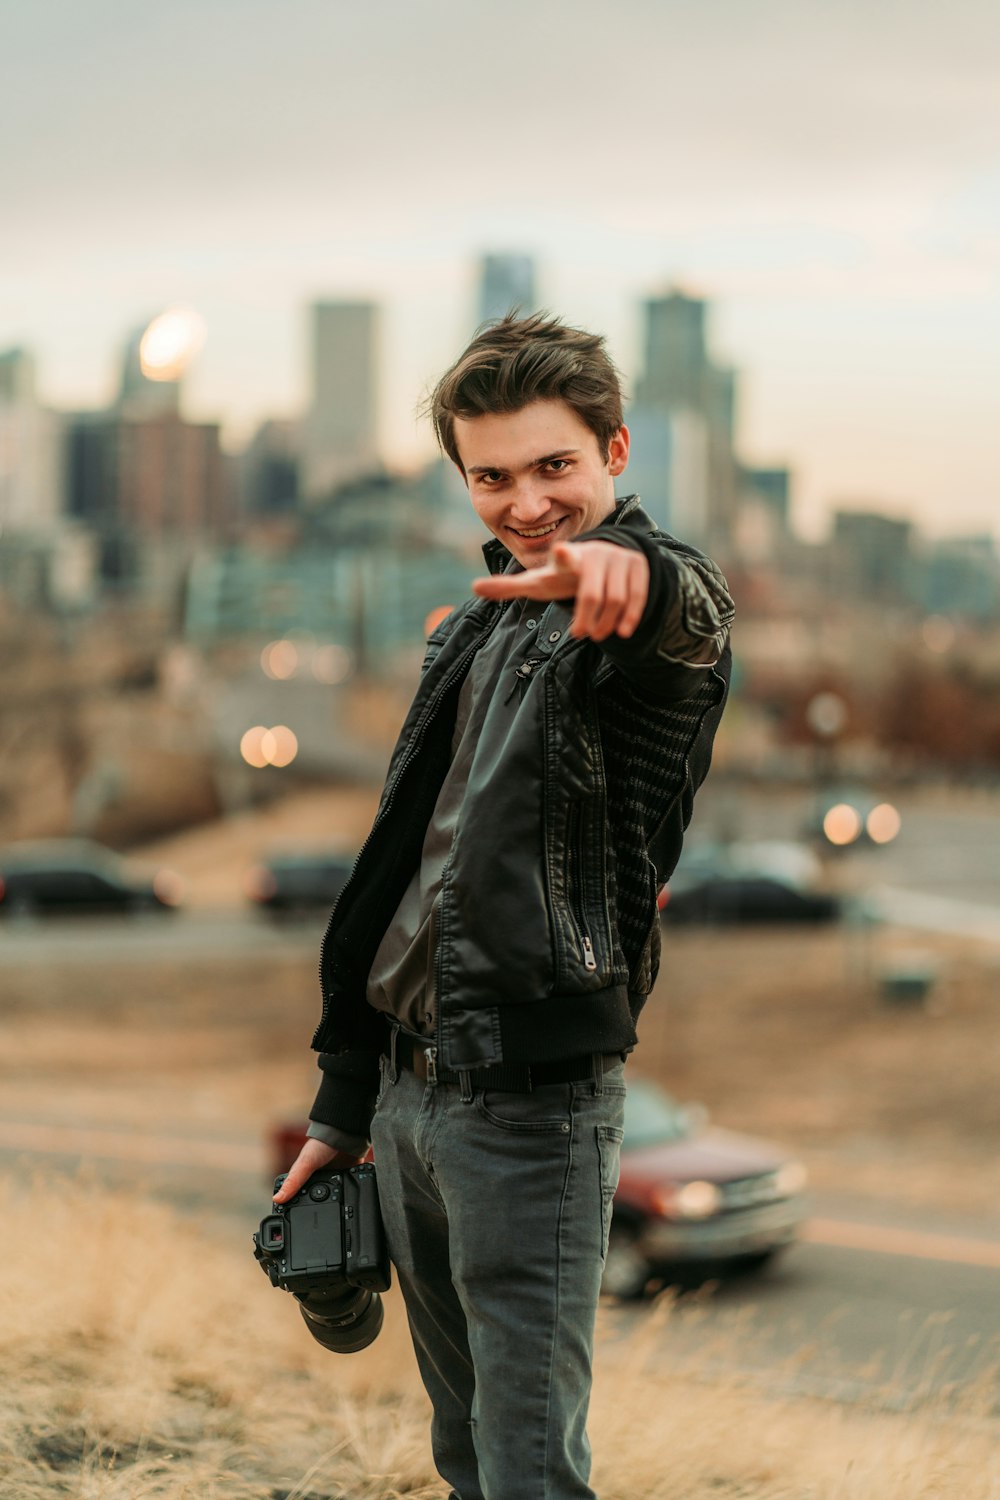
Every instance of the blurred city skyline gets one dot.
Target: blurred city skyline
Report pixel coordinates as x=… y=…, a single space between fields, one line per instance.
x=826 y=176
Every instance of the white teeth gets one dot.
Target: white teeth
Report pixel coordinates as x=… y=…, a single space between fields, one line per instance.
x=541 y=531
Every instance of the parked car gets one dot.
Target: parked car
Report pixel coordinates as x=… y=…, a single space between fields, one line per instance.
x=78 y=876
x=691 y=1199
x=298 y=882
x=766 y=881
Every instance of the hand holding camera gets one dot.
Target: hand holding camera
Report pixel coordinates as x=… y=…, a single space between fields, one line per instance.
x=325 y=1244
x=311 y=1158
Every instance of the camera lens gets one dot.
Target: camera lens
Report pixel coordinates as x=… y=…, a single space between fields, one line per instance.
x=344 y=1320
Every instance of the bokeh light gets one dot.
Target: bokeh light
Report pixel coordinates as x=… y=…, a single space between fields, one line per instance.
x=842 y=824
x=280 y=660
x=251 y=746
x=435 y=617
x=331 y=664
x=169 y=887
x=279 y=745
x=170 y=343
x=883 y=823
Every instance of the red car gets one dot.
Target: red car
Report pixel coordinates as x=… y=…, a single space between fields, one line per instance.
x=691 y=1199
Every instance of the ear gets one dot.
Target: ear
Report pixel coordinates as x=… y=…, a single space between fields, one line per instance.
x=618 y=450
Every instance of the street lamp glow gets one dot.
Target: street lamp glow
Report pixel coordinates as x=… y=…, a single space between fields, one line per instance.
x=252 y=746
x=279 y=745
x=280 y=660
x=170 y=343
x=883 y=823
x=842 y=824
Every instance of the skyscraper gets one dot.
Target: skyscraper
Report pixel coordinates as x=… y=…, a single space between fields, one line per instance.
x=505 y=281
x=681 y=377
x=676 y=364
x=340 y=439
x=17 y=376
x=140 y=397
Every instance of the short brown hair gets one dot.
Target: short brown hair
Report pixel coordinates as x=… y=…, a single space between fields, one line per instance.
x=518 y=360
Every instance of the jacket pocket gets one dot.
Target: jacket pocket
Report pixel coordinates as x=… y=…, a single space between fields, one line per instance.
x=574 y=891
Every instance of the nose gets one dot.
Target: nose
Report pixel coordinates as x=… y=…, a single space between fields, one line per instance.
x=529 y=504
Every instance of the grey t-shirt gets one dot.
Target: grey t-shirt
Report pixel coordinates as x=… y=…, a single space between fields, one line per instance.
x=401 y=978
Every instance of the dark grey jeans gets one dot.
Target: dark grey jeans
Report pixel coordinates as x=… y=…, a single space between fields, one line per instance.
x=497 y=1212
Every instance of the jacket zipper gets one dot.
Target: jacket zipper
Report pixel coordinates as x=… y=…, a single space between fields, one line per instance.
x=576 y=903
x=419 y=729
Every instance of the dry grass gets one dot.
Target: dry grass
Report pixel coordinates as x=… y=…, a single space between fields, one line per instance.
x=145 y=1356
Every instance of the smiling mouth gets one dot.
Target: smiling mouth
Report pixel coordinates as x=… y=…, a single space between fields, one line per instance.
x=537 y=531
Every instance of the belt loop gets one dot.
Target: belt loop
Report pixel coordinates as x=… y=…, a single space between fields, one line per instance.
x=465 y=1085
x=598 y=1061
x=393 y=1065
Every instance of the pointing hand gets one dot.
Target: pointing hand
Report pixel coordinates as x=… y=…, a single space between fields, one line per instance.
x=609 y=583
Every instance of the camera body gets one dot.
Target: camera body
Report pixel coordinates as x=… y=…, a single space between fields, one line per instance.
x=329 y=1233
x=327 y=1247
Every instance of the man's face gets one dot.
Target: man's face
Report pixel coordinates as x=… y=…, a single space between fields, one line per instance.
x=538 y=470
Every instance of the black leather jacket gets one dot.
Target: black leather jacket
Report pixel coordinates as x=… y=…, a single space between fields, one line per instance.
x=548 y=933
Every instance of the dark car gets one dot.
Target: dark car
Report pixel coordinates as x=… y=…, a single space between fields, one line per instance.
x=298 y=883
x=691 y=1199
x=768 y=881
x=694 y=1199
x=55 y=877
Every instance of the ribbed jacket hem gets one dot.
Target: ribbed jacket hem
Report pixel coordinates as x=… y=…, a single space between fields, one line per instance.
x=567 y=1025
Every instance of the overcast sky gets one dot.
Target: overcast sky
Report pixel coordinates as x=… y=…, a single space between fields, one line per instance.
x=826 y=172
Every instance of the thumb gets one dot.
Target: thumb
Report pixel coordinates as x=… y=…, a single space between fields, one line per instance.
x=564 y=555
x=314 y=1154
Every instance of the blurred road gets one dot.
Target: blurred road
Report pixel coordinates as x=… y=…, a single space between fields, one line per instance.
x=859 y=1308
x=195 y=934
x=942 y=874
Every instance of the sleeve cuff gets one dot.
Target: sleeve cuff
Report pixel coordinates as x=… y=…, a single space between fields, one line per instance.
x=337 y=1140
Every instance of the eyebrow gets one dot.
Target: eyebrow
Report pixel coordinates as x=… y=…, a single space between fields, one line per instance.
x=545 y=459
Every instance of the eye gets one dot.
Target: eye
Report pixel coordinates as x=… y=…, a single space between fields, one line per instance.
x=491 y=477
x=557 y=465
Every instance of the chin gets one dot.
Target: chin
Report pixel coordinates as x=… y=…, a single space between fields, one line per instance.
x=534 y=559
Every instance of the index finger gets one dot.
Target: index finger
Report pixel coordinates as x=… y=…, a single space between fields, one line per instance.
x=536 y=583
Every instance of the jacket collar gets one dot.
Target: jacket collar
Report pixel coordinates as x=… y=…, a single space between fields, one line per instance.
x=500 y=560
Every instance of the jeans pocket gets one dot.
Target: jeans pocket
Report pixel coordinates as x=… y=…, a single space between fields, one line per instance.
x=545 y=1110
x=609 y=1145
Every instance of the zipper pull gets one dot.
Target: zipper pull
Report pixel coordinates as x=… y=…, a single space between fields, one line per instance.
x=589 y=961
x=432 y=1071
x=522 y=674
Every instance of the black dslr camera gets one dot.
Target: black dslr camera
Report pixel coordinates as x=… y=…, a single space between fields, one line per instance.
x=327 y=1247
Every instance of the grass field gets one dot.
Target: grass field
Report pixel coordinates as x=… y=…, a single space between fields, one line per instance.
x=145 y=1357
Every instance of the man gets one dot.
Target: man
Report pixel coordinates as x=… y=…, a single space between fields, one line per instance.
x=485 y=965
